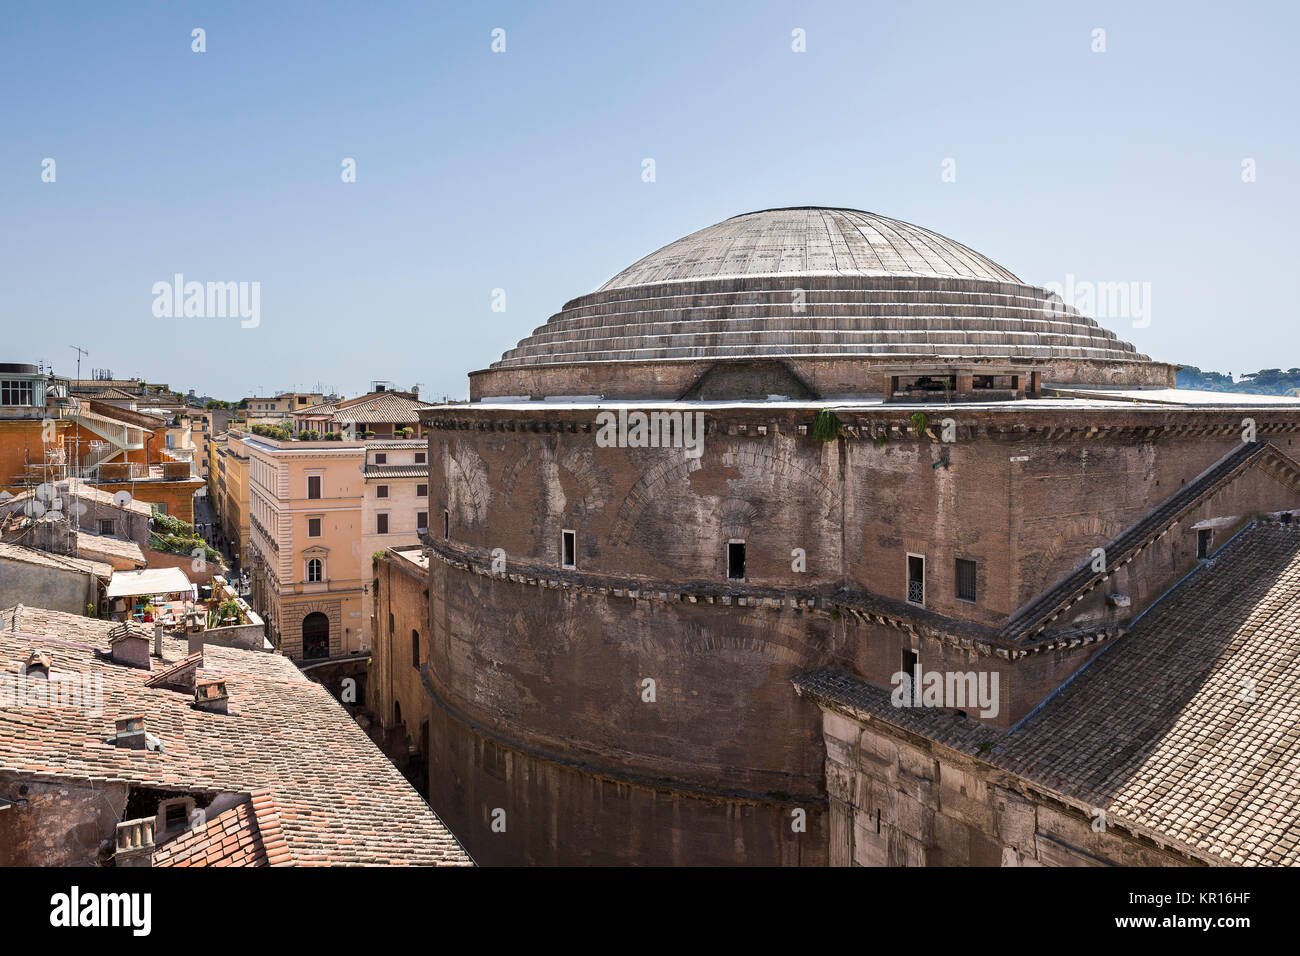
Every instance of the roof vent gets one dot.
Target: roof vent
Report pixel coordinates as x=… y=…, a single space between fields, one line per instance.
x=129 y=647
x=135 y=844
x=130 y=732
x=210 y=695
x=179 y=676
x=38 y=664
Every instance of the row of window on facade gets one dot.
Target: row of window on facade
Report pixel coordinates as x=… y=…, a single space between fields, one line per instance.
x=964 y=569
x=17 y=392
x=381 y=491
x=421 y=522
x=415 y=641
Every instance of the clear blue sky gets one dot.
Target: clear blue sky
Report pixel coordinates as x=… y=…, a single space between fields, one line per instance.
x=522 y=170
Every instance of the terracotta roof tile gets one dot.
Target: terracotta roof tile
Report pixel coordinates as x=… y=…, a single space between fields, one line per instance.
x=1187 y=728
x=332 y=796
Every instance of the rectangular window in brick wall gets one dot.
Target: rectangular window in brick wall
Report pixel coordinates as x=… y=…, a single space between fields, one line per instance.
x=915 y=579
x=965 y=580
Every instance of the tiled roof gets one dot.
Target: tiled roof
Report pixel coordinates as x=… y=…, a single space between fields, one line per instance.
x=83 y=490
x=102 y=544
x=118 y=414
x=1044 y=609
x=323 y=408
x=382 y=408
x=339 y=800
x=410 y=443
x=17 y=552
x=110 y=394
x=246 y=835
x=1187 y=728
x=396 y=471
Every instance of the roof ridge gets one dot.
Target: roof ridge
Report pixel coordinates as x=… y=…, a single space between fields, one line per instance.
x=193 y=660
x=1043 y=609
x=266 y=815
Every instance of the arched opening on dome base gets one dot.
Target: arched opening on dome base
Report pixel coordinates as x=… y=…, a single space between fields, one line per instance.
x=751 y=379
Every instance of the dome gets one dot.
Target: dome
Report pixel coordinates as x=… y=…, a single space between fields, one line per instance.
x=833 y=295
x=809 y=241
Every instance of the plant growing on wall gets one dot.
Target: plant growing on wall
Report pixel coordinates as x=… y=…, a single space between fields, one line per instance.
x=827 y=427
x=920 y=421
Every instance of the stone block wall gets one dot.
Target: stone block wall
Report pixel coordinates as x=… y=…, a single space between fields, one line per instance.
x=901 y=800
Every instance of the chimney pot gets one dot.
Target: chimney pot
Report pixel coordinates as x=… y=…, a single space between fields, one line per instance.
x=211 y=695
x=38 y=664
x=130 y=647
x=135 y=842
x=130 y=732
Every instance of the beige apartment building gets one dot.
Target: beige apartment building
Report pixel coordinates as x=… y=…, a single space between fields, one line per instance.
x=282 y=405
x=232 y=482
x=394 y=508
x=305 y=544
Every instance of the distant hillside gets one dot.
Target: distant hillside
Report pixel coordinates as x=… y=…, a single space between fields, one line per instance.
x=1267 y=381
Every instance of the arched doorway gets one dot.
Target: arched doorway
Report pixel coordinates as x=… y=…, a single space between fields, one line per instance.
x=315 y=636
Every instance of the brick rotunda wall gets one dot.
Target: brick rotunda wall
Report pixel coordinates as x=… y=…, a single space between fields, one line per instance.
x=536 y=673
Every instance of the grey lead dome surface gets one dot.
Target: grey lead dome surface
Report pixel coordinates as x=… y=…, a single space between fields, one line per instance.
x=809 y=241
x=815 y=283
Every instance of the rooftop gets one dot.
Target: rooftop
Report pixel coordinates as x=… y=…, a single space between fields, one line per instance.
x=395 y=471
x=48 y=559
x=321 y=792
x=1159 y=730
x=99 y=544
x=75 y=487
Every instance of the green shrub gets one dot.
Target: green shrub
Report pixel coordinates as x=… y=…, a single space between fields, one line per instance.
x=172 y=525
x=180 y=544
x=279 y=433
x=827 y=427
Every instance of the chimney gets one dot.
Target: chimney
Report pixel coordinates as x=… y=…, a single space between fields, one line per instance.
x=130 y=733
x=129 y=647
x=38 y=664
x=194 y=640
x=415 y=392
x=210 y=695
x=135 y=844
x=157 y=639
x=180 y=676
